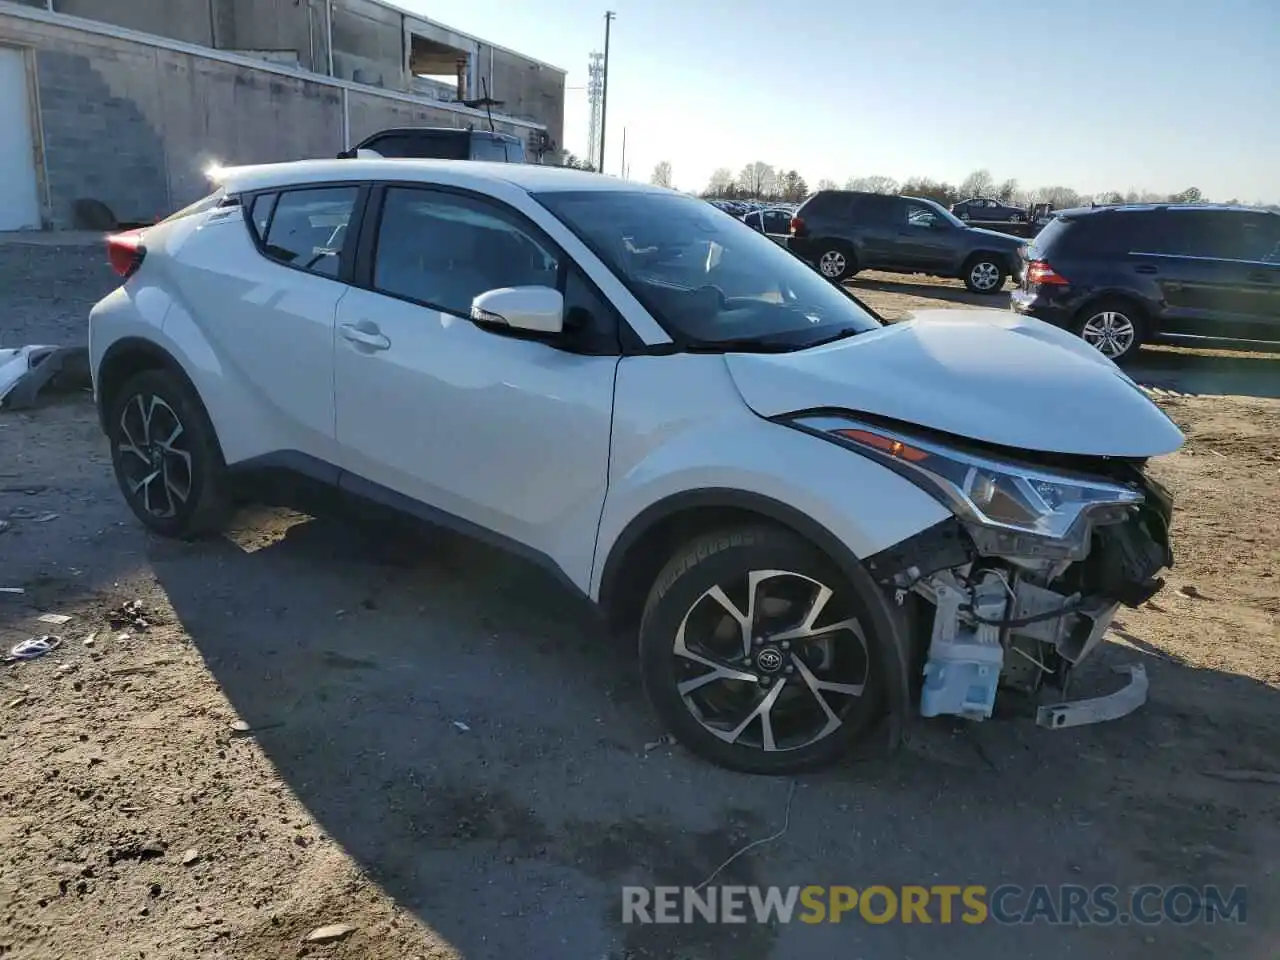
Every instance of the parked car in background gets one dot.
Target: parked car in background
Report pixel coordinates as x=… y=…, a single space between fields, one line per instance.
x=1126 y=275
x=809 y=518
x=844 y=231
x=441 y=143
x=773 y=222
x=986 y=209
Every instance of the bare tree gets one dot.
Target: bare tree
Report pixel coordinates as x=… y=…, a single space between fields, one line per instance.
x=792 y=186
x=1189 y=195
x=1007 y=191
x=575 y=162
x=876 y=183
x=944 y=193
x=662 y=174
x=827 y=184
x=977 y=184
x=758 y=179
x=721 y=181
x=1061 y=197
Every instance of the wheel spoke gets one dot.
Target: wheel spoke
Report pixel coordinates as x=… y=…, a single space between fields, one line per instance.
x=744 y=619
x=718 y=670
x=132 y=446
x=173 y=489
x=816 y=687
x=762 y=710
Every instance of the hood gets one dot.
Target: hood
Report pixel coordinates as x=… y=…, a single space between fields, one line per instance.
x=1008 y=239
x=987 y=375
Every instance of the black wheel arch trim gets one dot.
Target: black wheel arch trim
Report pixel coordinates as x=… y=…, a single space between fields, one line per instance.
x=136 y=347
x=889 y=625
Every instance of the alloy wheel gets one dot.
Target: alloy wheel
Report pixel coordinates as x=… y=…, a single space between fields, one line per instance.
x=832 y=263
x=984 y=275
x=1111 y=332
x=774 y=660
x=156 y=468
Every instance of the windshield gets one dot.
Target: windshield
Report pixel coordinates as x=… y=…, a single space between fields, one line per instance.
x=710 y=280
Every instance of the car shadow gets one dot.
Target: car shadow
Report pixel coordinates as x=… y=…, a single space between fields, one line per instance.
x=470 y=736
x=1215 y=373
x=950 y=291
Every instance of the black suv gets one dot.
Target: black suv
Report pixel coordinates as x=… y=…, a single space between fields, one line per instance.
x=441 y=143
x=842 y=231
x=1121 y=276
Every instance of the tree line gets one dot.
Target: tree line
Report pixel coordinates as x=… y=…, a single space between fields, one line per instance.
x=763 y=181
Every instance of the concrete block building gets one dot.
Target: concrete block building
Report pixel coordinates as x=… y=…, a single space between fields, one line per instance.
x=120 y=106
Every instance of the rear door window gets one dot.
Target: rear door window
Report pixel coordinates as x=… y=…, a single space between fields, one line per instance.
x=878 y=210
x=308 y=227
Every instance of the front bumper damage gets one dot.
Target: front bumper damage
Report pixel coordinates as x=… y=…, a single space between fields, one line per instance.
x=1008 y=621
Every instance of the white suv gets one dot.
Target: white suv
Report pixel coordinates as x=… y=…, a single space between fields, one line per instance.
x=812 y=519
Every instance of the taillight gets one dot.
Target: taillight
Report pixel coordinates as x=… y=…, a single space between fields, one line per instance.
x=125 y=252
x=797 y=226
x=1039 y=272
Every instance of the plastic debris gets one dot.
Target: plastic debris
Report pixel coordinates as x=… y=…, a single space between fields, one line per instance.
x=330 y=933
x=57 y=619
x=35 y=647
x=461 y=726
x=131 y=613
x=13 y=590
x=25 y=371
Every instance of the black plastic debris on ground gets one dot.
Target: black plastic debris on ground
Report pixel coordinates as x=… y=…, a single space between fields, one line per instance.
x=27 y=371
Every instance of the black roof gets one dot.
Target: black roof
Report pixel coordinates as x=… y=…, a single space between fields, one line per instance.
x=1143 y=207
x=459 y=131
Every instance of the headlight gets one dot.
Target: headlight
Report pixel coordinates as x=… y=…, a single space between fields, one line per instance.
x=1011 y=509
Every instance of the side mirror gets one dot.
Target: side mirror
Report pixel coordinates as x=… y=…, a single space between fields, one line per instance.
x=535 y=309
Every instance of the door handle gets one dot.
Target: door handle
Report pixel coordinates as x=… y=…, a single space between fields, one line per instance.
x=1145 y=268
x=371 y=338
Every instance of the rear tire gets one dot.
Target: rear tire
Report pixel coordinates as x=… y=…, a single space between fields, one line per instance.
x=984 y=273
x=166 y=457
x=1116 y=328
x=836 y=261
x=754 y=652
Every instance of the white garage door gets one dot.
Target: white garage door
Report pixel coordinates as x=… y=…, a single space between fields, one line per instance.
x=19 y=198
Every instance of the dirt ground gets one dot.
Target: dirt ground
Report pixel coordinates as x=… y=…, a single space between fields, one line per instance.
x=427 y=741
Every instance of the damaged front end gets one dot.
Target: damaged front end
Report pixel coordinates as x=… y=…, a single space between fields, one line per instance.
x=1022 y=583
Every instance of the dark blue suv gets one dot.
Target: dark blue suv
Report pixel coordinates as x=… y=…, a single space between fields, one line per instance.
x=1122 y=276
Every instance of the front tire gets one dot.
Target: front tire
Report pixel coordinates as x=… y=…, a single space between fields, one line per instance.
x=1114 y=328
x=984 y=273
x=754 y=653
x=166 y=457
x=836 y=262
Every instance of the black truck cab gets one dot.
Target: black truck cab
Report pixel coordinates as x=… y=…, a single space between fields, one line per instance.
x=441 y=143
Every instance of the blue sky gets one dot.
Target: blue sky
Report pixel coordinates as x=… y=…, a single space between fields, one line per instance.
x=1144 y=94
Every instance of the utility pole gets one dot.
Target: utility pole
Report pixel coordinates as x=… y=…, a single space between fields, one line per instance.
x=624 y=153
x=604 y=87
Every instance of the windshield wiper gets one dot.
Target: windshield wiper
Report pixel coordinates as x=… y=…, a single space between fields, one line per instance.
x=838 y=335
x=741 y=345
